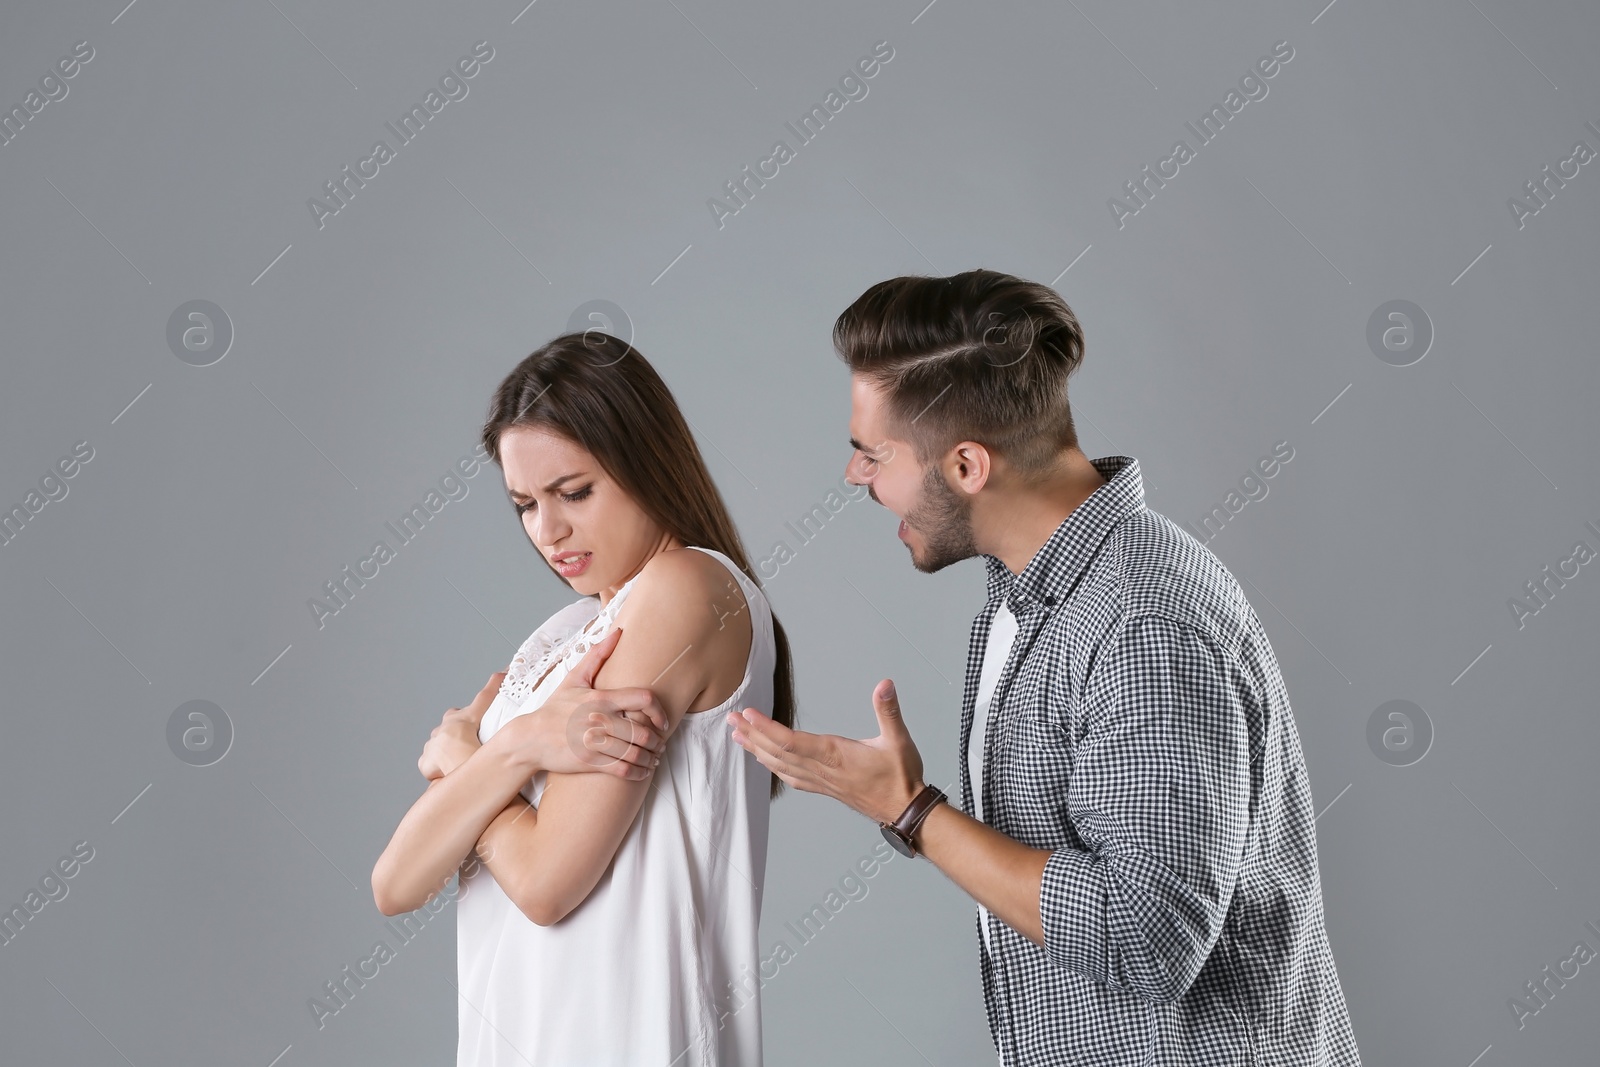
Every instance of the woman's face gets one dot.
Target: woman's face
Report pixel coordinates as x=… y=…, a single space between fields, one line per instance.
x=590 y=532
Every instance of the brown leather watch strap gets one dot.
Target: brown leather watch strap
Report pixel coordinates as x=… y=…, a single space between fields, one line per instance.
x=917 y=810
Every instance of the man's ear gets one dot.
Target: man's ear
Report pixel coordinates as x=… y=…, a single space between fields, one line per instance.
x=969 y=465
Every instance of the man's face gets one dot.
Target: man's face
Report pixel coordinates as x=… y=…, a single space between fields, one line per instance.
x=935 y=520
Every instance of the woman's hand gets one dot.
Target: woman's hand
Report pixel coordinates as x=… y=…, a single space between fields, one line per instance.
x=456 y=736
x=580 y=728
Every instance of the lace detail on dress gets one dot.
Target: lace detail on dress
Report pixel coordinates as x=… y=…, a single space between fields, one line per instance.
x=565 y=634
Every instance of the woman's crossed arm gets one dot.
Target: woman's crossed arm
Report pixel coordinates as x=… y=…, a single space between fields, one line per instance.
x=470 y=784
x=444 y=824
x=685 y=632
x=687 y=637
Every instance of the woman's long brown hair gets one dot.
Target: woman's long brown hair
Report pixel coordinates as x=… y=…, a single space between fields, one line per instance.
x=599 y=392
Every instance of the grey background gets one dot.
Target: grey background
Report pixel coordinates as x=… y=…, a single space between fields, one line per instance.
x=1229 y=314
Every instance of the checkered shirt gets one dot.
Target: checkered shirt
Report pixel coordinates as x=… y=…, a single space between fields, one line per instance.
x=1141 y=731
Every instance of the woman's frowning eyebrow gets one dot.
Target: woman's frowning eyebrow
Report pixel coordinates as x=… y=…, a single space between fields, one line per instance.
x=552 y=487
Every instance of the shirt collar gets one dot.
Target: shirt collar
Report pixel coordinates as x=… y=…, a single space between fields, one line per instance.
x=1050 y=575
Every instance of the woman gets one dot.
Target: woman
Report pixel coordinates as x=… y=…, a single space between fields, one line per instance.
x=607 y=918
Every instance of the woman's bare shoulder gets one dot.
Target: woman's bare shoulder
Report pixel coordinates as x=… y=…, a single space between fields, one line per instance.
x=694 y=593
x=697 y=579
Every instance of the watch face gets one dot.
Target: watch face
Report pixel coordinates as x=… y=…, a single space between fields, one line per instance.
x=899 y=843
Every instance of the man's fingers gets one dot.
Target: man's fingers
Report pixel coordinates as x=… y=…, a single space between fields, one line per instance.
x=762 y=748
x=776 y=736
x=886 y=704
x=757 y=734
x=794 y=752
x=801 y=759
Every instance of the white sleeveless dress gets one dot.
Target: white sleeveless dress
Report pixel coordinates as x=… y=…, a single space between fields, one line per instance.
x=659 y=966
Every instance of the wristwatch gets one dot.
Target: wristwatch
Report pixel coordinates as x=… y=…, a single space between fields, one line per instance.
x=899 y=832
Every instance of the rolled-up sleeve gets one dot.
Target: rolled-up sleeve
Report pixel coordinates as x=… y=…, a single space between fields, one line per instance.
x=1160 y=797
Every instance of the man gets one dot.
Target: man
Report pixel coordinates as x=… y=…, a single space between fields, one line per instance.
x=1135 y=818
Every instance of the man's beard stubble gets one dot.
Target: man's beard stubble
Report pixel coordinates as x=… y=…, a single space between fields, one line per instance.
x=944 y=519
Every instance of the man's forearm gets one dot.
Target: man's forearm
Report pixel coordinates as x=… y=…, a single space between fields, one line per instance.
x=444 y=825
x=997 y=871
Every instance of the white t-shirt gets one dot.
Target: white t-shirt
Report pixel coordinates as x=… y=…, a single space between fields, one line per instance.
x=1002 y=633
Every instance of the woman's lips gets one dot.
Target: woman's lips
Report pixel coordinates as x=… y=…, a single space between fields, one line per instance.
x=571 y=568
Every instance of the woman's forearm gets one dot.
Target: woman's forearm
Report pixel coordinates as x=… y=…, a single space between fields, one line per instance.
x=444 y=825
x=504 y=849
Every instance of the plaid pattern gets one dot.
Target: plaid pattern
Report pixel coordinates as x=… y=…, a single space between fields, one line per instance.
x=1141 y=730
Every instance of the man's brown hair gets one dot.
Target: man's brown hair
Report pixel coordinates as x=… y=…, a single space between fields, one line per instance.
x=979 y=356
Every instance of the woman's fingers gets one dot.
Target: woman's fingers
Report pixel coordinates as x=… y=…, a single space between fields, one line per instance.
x=474 y=711
x=583 y=675
x=628 y=771
x=631 y=772
x=640 y=700
x=599 y=740
x=644 y=720
x=634 y=727
x=486 y=695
